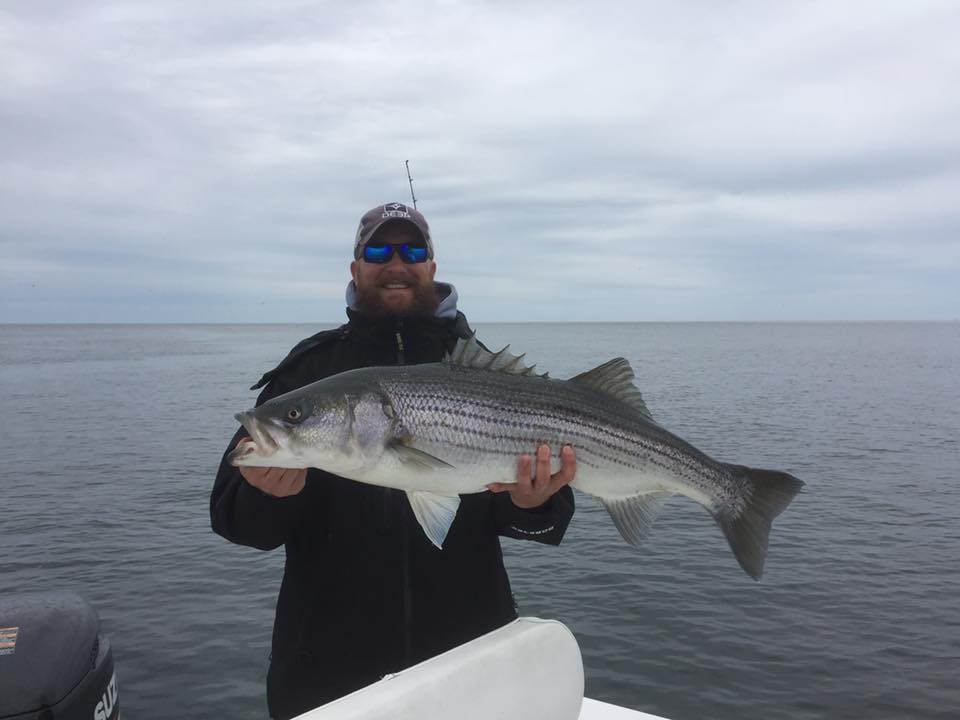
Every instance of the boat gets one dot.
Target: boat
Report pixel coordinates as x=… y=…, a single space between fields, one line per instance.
x=529 y=669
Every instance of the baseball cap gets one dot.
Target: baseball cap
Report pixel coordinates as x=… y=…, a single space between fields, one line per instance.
x=376 y=218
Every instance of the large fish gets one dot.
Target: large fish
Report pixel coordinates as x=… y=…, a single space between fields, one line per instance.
x=444 y=429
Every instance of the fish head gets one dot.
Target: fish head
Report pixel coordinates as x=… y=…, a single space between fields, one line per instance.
x=336 y=426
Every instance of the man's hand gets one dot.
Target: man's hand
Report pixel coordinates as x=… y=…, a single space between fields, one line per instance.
x=278 y=482
x=533 y=491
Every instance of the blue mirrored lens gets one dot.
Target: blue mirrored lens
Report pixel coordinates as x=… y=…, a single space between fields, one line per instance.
x=377 y=253
x=413 y=253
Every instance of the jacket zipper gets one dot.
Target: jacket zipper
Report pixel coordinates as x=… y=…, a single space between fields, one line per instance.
x=400 y=359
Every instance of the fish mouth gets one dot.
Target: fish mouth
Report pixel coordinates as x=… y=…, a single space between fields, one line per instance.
x=263 y=442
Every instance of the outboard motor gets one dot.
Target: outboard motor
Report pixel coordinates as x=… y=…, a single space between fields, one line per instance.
x=54 y=663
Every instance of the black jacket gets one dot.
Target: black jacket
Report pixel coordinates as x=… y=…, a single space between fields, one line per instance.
x=364 y=592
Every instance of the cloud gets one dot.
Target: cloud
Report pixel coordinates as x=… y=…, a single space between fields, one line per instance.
x=650 y=161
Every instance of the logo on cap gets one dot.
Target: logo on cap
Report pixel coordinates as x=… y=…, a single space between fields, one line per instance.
x=396 y=210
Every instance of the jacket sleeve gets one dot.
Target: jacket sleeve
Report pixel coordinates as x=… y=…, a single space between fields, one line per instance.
x=243 y=514
x=545 y=524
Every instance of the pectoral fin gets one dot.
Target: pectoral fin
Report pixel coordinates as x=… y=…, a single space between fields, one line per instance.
x=435 y=513
x=634 y=516
x=422 y=461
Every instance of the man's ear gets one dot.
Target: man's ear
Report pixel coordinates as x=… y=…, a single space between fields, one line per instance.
x=353 y=270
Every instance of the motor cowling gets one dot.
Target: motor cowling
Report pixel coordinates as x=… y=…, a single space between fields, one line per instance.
x=54 y=662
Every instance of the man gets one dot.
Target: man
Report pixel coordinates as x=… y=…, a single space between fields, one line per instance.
x=364 y=592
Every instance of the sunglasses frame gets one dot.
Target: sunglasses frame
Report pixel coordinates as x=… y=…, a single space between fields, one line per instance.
x=405 y=250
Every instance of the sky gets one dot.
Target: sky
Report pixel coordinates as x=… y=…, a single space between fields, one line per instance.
x=174 y=161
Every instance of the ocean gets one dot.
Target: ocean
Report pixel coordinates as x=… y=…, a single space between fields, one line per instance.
x=111 y=435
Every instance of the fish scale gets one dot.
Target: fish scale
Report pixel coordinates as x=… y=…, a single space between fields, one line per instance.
x=500 y=417
x=439 y=430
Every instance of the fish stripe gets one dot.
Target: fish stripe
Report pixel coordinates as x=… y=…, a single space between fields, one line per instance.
x=450 y=410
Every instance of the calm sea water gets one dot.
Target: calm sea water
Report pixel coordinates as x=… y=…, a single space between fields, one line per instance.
x=111 y=435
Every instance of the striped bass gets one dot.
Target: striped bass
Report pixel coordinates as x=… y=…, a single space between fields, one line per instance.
x=441 y=430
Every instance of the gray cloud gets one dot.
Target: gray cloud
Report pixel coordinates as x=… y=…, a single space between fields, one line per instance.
x=168 y=161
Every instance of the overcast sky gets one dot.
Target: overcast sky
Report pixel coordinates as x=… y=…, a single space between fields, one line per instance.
x=178 y=161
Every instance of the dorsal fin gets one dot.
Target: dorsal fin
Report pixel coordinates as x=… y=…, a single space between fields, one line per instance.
x=470 y=353
x=615 y=378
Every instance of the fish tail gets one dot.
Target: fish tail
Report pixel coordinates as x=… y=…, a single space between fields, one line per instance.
x=767 y=493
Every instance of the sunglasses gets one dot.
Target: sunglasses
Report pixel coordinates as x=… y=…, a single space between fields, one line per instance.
x=380 y=254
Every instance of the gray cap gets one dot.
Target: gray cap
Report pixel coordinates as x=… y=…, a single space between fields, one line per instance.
x=374 y=219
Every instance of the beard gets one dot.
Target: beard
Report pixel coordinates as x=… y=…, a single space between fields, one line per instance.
x=425 y=301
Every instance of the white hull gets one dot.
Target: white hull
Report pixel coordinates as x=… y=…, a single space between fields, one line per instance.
x=530 y=669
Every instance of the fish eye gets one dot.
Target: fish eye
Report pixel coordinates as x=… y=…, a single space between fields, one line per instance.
x=294 y=414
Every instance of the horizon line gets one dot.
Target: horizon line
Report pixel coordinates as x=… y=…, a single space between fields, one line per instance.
x=477 y=322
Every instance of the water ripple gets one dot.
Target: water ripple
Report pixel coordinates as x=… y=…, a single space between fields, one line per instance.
x=856 y=615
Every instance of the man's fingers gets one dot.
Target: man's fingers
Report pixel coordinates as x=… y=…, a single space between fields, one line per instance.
x=535 y=483
x=288 y=481
x=523 y=473
x=543 y=466
x=272 y=475
x=568 y=466
x=298 y=480
x=263 y=478
x=253 y=475
x=532 y=490
x=275 y=481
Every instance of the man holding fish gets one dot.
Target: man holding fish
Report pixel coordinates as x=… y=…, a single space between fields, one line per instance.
x=378 y=578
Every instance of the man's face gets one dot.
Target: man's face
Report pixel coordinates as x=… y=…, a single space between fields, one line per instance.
x=395 y=287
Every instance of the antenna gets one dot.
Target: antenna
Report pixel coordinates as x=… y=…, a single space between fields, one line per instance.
x=410 y=180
